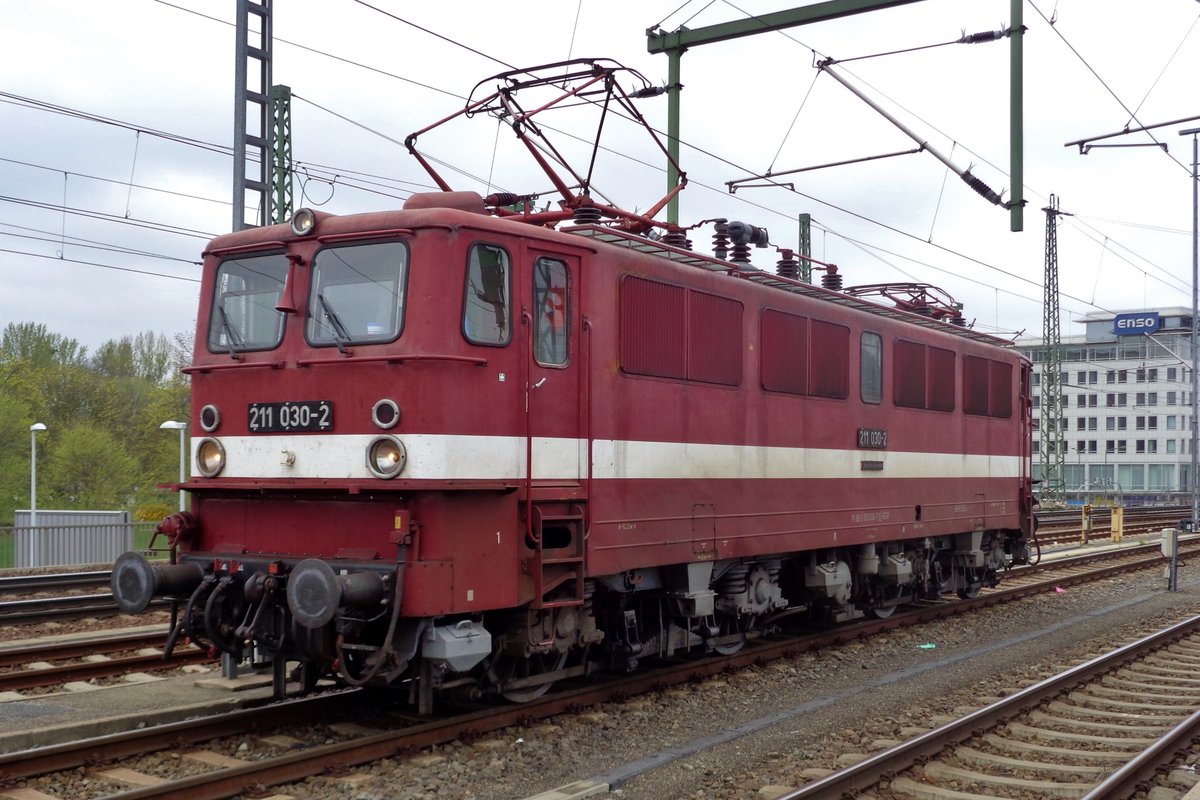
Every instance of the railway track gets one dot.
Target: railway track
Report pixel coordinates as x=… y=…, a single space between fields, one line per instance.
x=66 y=607
x=101 y=658
x=357 y=745
x=15 y=584
x=1065 y=527
x=1101 y=731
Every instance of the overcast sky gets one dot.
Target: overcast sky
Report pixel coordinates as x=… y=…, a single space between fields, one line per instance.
x=137 y=150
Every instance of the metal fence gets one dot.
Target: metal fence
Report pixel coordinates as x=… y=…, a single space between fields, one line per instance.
x=70 y=538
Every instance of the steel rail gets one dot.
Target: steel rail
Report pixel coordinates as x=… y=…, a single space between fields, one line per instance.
x=14 y=612
x=78 y=648
x=25 y=583
x=71 y=755
x=19 y=680
x=1132 y=777
x=906 y=755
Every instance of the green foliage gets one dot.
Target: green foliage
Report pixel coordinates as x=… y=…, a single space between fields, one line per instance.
x=103 y=447
x=15 y=419
x=88 y=468
x=153 y=512
x=32 y=343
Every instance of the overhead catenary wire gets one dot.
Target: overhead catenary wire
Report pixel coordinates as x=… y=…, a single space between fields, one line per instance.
x=401 y=78
x=786 y=35
x=64 y=209
x=1163 y=71
x=129 y=184
x=89 y=244
x=1132 y=114
x=101 y=266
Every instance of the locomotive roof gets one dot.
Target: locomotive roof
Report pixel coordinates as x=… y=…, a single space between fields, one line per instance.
x=619 y=238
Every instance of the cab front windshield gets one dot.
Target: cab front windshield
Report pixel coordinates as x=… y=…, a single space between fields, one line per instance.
x=244 y=315
x=357 y=294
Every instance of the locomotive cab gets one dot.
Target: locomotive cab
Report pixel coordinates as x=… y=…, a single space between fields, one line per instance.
x=388 y=442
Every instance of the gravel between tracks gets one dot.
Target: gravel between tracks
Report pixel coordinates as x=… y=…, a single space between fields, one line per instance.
x=874 y=702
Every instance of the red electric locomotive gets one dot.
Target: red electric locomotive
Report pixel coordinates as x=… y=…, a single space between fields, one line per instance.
x=455 y=446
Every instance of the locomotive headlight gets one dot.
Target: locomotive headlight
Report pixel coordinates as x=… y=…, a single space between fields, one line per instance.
x=210 y=418
x=385 y=414
x=386 y=456
x=210 y=458
x=303 y=221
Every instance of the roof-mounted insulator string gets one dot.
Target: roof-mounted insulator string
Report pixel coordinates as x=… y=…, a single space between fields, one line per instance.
x=983 y=37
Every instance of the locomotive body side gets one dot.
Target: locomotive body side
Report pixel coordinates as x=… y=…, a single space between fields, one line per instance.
x=451 y=451
x=696 y=468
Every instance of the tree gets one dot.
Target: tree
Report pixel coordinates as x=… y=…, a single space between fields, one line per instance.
x=149 y=356
x=104 y=447
x=88 y=468
x=15 y=419
x=32 y=343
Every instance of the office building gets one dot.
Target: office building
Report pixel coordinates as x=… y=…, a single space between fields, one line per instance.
x=1126 y=407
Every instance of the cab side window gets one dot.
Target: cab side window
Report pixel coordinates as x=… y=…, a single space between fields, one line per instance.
x=870 y=377
x=550 y=312
x=486 y=311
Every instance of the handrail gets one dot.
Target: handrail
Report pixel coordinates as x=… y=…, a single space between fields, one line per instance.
x=386 y=233
x=202 y=368
x=270 y=245
x=392 y=359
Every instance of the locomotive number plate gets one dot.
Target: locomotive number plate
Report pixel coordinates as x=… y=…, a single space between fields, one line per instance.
x=291 y=416
x=872 y=438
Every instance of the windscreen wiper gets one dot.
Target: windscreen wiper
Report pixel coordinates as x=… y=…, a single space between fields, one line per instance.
x=341 y=336
x=232 y=337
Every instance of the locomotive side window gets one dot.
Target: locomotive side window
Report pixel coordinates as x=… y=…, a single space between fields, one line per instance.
x=672 y=332
x=830 y=360
x=243 y=310
x=550 y=312
x=870 y=371
x=975 y=385
x=1000 y=384
x=714 y=339
x=987 y=387
x=941 y=379
x=652 y=328
x=486 y=311
x=784 y=352
x=924 y=376
x=357 y=294
x=909 y=374
x=811 y=357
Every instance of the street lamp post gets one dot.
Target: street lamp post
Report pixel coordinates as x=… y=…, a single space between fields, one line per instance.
x=34 y=540
x=172 y=425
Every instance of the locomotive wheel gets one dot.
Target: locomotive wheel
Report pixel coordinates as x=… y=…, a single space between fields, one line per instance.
x=222 y=612
x=887 y=604
x=730 y=626
x=883 y=612
x=510 y=668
